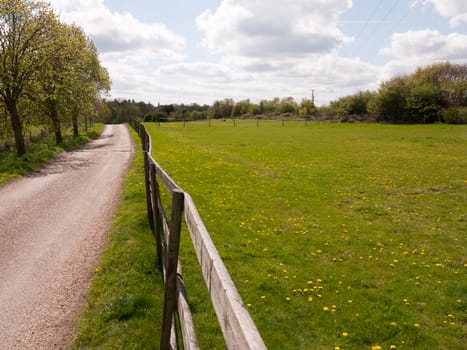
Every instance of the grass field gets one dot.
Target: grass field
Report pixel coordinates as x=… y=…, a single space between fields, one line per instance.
x=337 y=236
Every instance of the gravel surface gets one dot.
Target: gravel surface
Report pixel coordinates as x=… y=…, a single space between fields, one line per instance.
x=53 y=226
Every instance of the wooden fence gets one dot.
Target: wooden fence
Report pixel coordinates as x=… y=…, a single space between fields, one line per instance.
x=237 y=326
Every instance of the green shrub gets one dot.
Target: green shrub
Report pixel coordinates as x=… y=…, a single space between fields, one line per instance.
x=455 y=115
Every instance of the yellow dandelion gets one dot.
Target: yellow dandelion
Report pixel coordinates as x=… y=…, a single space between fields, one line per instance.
x=392 y=347
x=249 y=305
x=288 y=299
x=416 y=325
x=325 y=308
x=345 y=334
x=310 y=299
x=376 y=347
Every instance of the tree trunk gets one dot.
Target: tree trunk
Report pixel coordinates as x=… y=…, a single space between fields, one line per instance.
x=75 y=126
x=17 y=128
x=58 y=136
x=56 y=124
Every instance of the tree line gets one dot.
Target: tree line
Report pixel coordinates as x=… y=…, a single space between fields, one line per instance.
x=50 y=72
x=123 y=110
x=435 y=93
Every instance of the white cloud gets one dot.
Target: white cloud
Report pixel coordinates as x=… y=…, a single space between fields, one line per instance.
x=273 y=28
x=414 y=49
x=455 y=9
x=428 y=45
x=277 y=48
x=263 y=49
x=120 y=32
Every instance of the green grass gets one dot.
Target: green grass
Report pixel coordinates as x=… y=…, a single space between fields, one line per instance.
x=124 y=306
x=336 y=235
x=39 y=152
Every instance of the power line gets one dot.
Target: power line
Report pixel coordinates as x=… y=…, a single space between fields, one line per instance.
x=391 y=9
x=370 y=17
x=383 y=19
x=396 y=24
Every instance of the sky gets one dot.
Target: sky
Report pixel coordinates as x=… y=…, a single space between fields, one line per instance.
x=199 y=51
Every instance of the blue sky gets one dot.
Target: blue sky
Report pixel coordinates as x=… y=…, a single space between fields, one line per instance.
x=185 y=51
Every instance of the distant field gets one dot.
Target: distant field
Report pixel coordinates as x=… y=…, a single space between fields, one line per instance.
x=347 y=236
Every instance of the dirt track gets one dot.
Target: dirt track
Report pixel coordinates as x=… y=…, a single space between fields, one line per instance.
x=53 y=225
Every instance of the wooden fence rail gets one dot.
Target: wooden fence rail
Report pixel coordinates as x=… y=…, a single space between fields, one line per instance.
x=236 y=324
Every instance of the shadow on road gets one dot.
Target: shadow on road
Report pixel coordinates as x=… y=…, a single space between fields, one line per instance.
x=61 y=165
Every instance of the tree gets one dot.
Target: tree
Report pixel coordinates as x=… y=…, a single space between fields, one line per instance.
x=240 y=108
x=390 y=103
x=221 y=109
x=356 y=104
x=423 y=104
x=288 y=105
x=307 y=107
x=26 y=30
x=50 y=88
x=449 y=79
x=86 y=79
x=70 y=82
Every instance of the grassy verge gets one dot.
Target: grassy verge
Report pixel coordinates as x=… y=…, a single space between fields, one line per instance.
x=337 y=236
x=39 y=152
x=124 y=304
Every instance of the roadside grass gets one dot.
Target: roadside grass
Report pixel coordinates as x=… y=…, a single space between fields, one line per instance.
x=39 y=152
x=337 y=236
x=124 y=306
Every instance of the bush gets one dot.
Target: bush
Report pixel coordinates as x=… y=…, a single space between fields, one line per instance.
x=455 y=115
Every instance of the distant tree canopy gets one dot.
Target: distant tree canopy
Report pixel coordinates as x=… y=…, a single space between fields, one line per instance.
x=436 y=93
x=49 y=71
x=123 y=110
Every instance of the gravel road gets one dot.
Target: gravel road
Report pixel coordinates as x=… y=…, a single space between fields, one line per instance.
x=53 y=226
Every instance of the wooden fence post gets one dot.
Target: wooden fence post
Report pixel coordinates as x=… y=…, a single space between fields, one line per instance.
x=157 y=221
x=171 y=268
x=148 y=191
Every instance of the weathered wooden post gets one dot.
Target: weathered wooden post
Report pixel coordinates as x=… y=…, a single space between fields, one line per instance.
x=148 y=190
x=156 y=210
x=170 y=288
